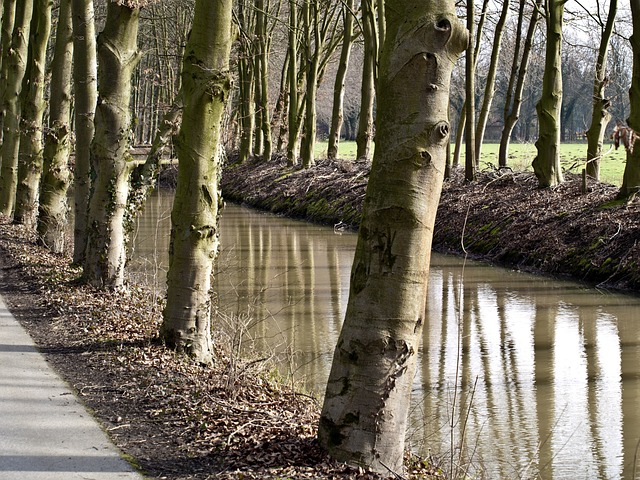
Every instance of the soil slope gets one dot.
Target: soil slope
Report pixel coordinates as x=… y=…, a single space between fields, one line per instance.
x=502 y=217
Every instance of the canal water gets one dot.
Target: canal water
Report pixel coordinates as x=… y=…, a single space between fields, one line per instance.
x=519 y=376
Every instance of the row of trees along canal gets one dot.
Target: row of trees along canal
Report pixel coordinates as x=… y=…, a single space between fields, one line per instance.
x=201 y=72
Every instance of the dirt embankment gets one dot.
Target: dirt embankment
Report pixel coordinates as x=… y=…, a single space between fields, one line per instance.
x=501 y=218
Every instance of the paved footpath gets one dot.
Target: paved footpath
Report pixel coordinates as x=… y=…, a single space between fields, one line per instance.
x=45 y=432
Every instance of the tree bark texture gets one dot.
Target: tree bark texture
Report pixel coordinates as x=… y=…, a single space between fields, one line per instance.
x=16 y=64
x=470 y=159
x=246 y=69
x=313 y=47
x=364 y=415
x=631 y=177
x=194 y=244
x=111 y=160
x=53 y=209
x=8 y=17
x=337 y=113
x=31 y=155
x=600 y=116
x=293 y=142
x=263 y=42
x=546 y=164
x=85 y=84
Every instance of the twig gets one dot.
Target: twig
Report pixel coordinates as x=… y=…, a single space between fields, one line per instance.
x=464 y=226
x=466 y=420
x=118 y=427
x=616 y=234
x=395 y=474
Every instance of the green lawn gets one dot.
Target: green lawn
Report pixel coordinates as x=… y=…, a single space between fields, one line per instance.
x=521 y=155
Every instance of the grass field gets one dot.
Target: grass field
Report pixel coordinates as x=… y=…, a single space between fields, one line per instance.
x=572 y=156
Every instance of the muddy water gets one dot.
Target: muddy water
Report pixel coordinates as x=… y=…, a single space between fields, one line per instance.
x=518 y=376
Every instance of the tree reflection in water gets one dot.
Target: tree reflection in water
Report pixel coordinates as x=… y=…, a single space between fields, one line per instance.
x=545 y=374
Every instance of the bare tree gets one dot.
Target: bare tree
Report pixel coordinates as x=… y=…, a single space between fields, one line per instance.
x=194 y=219
x=16 y=64
x=53 y=208
x=631 y=179
x=85 y=83
x=337 y=116
x=470 y=158
x=31 y=123
x=600 y=116
x=366 y=403
x=111 y=160
x=364 y=137
x=489 y=89
x=546 y=164
x=515 y=88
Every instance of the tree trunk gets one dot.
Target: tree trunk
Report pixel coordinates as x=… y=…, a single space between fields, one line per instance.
x=194 y=232
x=247 y=109
x=364 y=137
x=489 y=89
x=16 y=65
x=460 y=128
x=512 y=110
x=462 y=119
x=293 y=144
x=470 y=159
x=33 y=106
x=631 y=177
x=382 y=27
x=52 y=214
x=546 y=164
x=263 y=63
x=246 y=86
x=281 y=109
x=8 y=17
x=364 y=416
x=313 y=46
x=337 y=115
x=111 y=160
x=510 y=93
x=257 y=103
x=85 y=81
x=600 y=116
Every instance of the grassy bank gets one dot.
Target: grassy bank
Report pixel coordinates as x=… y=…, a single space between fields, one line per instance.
x=502 y=218
x=572 y=157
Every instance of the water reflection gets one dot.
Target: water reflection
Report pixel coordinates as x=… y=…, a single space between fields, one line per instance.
x=519 y=376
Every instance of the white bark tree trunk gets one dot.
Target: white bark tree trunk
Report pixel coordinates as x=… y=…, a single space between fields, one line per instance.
x=85 y=81
x=366 y=404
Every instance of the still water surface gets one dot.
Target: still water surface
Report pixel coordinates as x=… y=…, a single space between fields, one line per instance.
x=532 y=377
